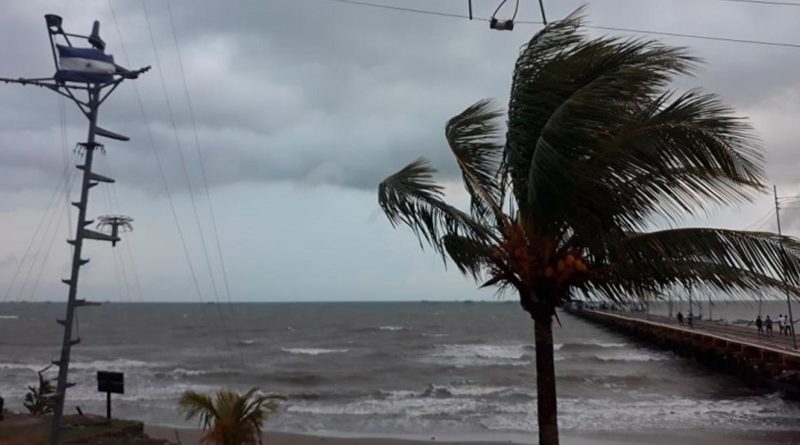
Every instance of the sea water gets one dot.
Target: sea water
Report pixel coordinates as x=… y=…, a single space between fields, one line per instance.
x=381 y=368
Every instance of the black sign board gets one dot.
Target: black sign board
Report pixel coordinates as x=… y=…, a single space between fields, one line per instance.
x=110 y=382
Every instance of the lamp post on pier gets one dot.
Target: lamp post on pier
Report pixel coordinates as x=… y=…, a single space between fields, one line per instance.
x=788 y=298
x=87 y=76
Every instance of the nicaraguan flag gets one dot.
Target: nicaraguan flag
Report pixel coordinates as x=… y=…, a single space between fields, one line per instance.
x=84 y=65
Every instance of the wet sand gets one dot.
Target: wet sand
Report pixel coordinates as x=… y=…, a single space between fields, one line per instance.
x=189 y=436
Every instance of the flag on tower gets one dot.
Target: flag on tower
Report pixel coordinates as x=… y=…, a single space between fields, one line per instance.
x=88 y=65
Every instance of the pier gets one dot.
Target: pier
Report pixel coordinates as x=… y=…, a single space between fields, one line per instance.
x=768 y=361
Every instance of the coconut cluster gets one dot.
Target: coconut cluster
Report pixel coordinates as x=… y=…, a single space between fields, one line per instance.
x=566 y=266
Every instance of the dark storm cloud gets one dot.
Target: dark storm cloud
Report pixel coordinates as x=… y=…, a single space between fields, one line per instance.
x=313 y=91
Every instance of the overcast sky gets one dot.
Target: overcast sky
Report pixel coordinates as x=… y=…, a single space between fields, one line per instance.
x=301 y=108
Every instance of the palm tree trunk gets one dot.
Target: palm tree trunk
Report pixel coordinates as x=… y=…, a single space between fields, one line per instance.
x=547 y=409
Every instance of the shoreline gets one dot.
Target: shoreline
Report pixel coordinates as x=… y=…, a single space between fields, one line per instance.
x=189 y=436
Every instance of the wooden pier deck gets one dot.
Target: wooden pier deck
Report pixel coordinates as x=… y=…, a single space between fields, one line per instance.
x=734 y=349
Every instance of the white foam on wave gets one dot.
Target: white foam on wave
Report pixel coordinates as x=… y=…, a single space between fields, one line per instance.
x=633 y=356
x=313 y=351
x=32 y=367
x=410 y=407
x=391 y=328
x=465 y=390
x=9 y=317
x=181 y=372
x=461 y=355
x=116 y=364
x=578 y=414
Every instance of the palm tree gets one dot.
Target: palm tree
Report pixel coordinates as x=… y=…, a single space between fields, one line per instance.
x=230 y=418
x=597 y=150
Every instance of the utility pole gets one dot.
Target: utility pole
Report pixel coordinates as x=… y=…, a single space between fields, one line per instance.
x=90 y=72
x=788 y=298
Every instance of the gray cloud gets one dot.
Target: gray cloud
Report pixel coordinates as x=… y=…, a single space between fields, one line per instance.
x=303 y=106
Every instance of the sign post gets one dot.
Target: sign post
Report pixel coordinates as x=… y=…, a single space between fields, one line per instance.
x=110 y=382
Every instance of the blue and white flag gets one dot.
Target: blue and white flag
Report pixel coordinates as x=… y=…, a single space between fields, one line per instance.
x=84 y=65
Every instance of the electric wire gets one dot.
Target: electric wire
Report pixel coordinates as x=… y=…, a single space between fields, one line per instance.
x=159 y=164
x=588 y=26
x=185 y=170
x=51 y=202
x=160 y=167
x=44 y=221
x=65 y=153
x=204 y=176
x=64 y=209
x=114 y=198
x=761 y=221
x=119 y=267
x=179 y=147
x=764 y=2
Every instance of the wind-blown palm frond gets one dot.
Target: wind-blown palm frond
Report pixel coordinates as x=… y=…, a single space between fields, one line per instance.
x=194 y=404
x=413 y=198
x=472 y=137
x=622 y=282
x=527 y=99
x=470 y=256
x=760 y=253
x=561 y=114
x=670 y=159
x=230 y=418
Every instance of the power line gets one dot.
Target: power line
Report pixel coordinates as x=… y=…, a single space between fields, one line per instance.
x=225 y=327
x=764 y=2
x=597 y=27
x=181 y=157
x=696 y=36
x=412 y=10
x=159 y=163
x=204 y=176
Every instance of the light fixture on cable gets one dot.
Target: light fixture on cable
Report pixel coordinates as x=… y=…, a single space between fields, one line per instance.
x=503 y=24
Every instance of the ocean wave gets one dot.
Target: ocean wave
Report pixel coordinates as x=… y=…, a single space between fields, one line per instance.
x=461 y=355
x=313 y=351
x=435 y=334
x=116 y=364
x=33 y=367
x=181 y=372
x=411 y=407
x=589 y=345
x=244 y=343
x=632 y=356
x=392 y=328
x=580 y=414
x=9 y=317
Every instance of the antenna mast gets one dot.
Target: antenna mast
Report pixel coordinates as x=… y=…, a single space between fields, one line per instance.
x=80 y=72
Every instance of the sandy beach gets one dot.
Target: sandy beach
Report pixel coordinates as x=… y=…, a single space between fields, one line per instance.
x=707 y=437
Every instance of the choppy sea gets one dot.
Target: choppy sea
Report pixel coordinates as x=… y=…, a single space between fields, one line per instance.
x=382 y=368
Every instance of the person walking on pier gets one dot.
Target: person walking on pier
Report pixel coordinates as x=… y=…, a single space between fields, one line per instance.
x=760 y=325
x=781 y=324
x=769 y=325
x=680 y=318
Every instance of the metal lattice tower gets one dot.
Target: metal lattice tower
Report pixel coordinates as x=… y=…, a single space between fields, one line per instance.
x=80 y=72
